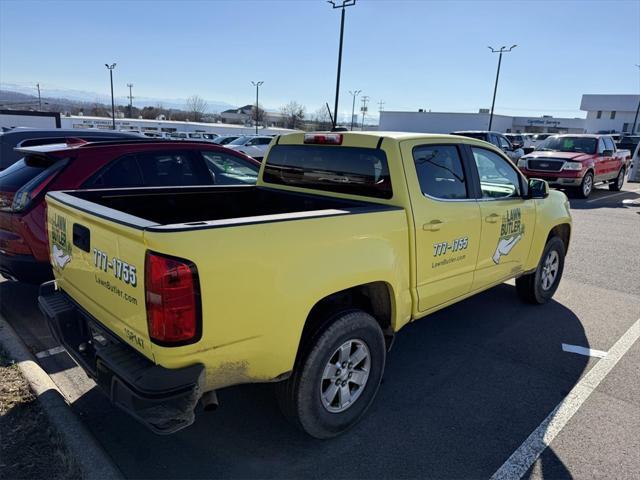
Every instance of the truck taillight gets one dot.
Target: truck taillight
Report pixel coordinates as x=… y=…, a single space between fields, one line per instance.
x=173 y=300
x=323 y=138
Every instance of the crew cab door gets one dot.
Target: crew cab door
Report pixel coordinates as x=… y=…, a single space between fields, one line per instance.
x=446 y=218
x=602 y=161
x=507 y=222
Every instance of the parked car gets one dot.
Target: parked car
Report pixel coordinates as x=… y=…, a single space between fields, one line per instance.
x=578 y=162
x=519 y=140
x=26 y=137
x=539 y=138
x=166 y=295
x=253 y=145
x=630 y=143
x=24 y=252
x=497 y=139
x=225 y=139
x=634 y=168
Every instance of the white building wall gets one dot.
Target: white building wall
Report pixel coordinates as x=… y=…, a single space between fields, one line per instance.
x=624 y=107
x=127 y=124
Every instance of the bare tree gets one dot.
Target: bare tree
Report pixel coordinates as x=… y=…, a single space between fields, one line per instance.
x=196 y=106
x=293 y=114
x=321 y=119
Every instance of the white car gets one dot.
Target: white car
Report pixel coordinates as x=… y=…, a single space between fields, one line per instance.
x=254 y=146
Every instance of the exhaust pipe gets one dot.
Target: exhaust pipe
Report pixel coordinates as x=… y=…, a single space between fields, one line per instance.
x=210 y=401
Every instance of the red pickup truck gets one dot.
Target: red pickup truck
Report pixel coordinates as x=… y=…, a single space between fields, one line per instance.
x=577 y=161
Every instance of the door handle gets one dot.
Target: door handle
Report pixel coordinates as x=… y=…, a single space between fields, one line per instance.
x=493 y=218
x=433 y=225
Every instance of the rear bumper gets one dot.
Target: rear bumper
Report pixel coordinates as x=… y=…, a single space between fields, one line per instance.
x=25 y=268
x=162 y=399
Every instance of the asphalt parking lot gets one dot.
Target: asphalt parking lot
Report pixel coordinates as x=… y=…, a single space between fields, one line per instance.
x=463 y=390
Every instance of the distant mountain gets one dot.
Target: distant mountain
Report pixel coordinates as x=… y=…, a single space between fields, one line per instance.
x=92 y=97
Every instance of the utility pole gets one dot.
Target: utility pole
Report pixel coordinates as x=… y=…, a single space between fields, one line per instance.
x=113 y=104
x=257 y=85
x=380 y=106
x=354 y=94
x=130 y=85
x=635 y=120
x=39 y=98
x=344 y=4
x=363 y=109
x=495 y=88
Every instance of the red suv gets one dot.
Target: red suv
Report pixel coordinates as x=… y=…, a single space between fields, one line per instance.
x=24 y=247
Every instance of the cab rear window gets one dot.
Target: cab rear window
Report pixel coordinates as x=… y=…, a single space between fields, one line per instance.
x=348 y=170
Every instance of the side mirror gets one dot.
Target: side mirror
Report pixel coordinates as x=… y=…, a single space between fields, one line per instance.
x=607 y=153
x=538 y=188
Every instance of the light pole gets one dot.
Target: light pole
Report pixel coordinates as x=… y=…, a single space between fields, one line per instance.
x=344 y=4
x=130 y=85
x=354 y=94
x=113 y=105
x=257 y=85
x=635 y=120
x=365 y=99
x=39 y=98
x=495 y=89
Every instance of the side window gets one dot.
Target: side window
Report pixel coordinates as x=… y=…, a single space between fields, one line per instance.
x=230 y=170
x=173 y=168
x=440 y=171
x=498 y=179
x=608 y=142
x=121 y=173
x=494 y=139
x=601 y=146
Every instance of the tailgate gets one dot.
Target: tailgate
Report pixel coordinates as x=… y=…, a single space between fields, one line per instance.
x=100 y=263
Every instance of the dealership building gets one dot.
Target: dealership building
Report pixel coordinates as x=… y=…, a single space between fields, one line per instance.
x=604 y=114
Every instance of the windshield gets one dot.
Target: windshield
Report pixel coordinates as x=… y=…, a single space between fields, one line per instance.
x=569 y=144
x=240 y=140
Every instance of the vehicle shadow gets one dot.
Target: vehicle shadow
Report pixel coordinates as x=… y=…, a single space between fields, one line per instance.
x=604 y=198
x=463 y=389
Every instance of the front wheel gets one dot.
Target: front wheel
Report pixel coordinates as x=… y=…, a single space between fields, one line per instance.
x=538 y=287
x=586 y=187
x=616 y=185
x=335 y=383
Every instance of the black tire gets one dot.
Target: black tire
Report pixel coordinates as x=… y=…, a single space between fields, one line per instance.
x=586 y=186
x=530 y=286
x=299 y=397
x=618 y=182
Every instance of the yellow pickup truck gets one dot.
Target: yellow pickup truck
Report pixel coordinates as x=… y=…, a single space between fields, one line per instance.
x=166 y=295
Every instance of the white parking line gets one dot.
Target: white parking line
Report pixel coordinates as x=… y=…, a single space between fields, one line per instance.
x=522 y=459
x=589 y=352
x=50 y=352
x=612 y=195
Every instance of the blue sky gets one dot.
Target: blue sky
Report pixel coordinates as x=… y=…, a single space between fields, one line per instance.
x=410 y=54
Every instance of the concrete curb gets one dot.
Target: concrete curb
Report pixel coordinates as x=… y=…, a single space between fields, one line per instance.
x=91 y=458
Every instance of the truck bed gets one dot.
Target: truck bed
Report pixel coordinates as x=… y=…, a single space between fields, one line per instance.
x=206 y=206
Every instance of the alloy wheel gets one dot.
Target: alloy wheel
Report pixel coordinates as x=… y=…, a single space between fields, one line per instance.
x=345 y=376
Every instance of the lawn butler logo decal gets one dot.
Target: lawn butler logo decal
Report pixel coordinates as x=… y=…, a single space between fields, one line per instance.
x=511 y=232
x=61 y=250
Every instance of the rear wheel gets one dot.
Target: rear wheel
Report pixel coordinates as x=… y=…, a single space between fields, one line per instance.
x=538 y=287
x=586 y=187
x=616 y=185
x=335 y=382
